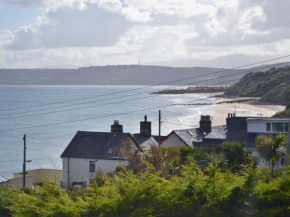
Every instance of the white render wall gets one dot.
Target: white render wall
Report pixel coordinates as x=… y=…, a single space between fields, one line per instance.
x=260 y=126
x=256 y=127
x=172 y=141
x=79 y=168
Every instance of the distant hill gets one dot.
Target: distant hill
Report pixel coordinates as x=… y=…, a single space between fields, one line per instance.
x=272 y=86
x=228 y=61
x=117 y=75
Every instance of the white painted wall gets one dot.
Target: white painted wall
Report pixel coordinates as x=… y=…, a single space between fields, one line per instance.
x=79 y=168
x=257 y=127
x=260 y=126
x=172 y=141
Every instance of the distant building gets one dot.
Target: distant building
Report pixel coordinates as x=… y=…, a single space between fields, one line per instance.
x=204 y=136
x=3 y=181
x=34 y=177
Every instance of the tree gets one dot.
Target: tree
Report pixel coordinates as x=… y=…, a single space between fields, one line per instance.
x=235 y=153
x=270 y=148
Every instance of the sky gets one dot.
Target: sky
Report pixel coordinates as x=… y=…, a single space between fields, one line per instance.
x=40 y=33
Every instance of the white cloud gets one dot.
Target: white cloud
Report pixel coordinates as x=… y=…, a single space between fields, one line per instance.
x=133 y=14
x=26 y=37
x=107 y=31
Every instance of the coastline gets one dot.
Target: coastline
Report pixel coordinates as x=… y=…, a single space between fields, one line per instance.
x=220 y=111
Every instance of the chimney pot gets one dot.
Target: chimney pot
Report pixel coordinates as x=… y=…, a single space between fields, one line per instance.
x=116 y=127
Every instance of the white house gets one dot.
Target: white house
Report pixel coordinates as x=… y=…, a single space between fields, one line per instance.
x=90 y=152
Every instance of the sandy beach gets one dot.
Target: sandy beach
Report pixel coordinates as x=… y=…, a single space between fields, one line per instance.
x=220 y=111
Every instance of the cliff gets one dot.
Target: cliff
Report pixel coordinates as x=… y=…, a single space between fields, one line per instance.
x=272 y=86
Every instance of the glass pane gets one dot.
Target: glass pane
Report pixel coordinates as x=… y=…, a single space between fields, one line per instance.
x=92 y=166
x=286 y=127
x=269 y=127
x=278 y=127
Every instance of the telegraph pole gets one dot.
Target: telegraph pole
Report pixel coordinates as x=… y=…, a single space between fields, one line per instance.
x=159 y=128
x=24 y=161
x=287 y=152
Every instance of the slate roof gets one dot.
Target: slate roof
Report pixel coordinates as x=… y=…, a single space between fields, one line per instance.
x=144 y=140
x=157 y=138
x=95 y=145
x=190 y=136
x=2 y=179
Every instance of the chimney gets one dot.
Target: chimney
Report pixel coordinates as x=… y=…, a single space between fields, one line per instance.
x=145 y=126
x=205 y=123
x=116 y=127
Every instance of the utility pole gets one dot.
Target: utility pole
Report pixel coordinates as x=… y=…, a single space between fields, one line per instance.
x=159 y=128
x=24 y=161
x=287 y=152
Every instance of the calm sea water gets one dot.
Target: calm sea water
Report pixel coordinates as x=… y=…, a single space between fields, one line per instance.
x=49 y=128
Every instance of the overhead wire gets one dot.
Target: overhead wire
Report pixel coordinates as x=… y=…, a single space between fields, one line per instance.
x=128 y=100
x=165 y=83
x=94 y=118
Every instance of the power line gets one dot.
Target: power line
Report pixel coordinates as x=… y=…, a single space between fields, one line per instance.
x=94 y=118
x=139 y=98
x=179 y=124
x=53 y=124
x=165 y=83
x=48 y=158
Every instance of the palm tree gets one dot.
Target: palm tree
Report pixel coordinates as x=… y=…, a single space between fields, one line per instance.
x=270 y=148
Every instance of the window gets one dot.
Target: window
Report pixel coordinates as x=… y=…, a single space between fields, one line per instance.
x=92 y=166
x=269 y=127
x=286 y=127
x=278 y=127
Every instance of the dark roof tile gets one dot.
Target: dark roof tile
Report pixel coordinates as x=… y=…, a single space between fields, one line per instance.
x=95 y=145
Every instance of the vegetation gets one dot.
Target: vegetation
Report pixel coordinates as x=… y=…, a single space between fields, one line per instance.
x=173 y=182
x=272 y=86
x=270 y=148
x=283 y=114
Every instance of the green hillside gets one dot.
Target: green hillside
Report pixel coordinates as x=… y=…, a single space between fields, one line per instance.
x=283 y=114
x=272 y=86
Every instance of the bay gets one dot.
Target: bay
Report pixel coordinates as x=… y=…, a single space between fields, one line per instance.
x=51 y=115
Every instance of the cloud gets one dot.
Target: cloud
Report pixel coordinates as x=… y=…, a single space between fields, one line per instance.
x=133 y=14
x=26 y=37
x=100 y=31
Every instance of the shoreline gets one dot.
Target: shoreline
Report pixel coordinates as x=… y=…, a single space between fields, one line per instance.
x=242 y=106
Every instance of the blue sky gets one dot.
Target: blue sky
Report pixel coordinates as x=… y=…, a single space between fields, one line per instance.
x=38 y=33
x=12 y=16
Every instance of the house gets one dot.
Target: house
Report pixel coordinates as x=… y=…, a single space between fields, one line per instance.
x=204 y=136
x=246 y=129
x=90 y=152
x=237 y=129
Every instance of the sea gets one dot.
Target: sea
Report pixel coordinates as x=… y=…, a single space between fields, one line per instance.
x=51 y=115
